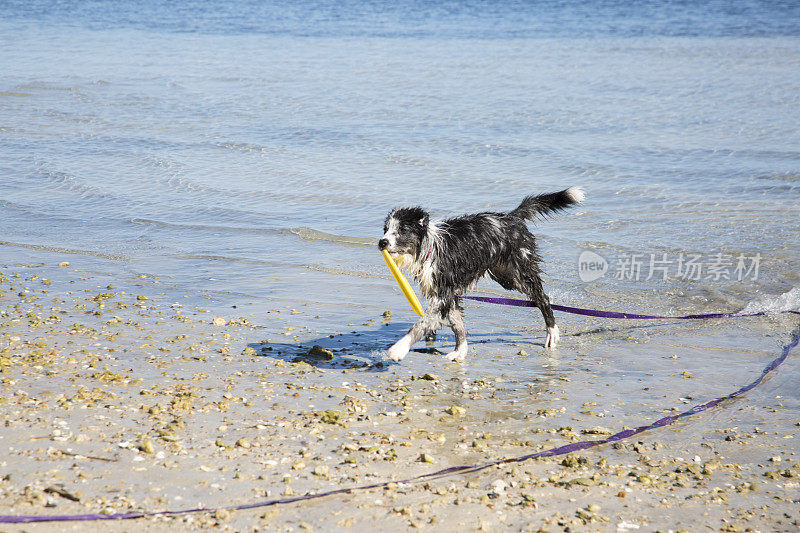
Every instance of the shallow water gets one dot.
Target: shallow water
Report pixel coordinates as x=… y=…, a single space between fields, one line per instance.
x=247 y=155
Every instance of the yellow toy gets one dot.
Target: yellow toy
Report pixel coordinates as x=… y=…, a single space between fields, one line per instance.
x=404 y=286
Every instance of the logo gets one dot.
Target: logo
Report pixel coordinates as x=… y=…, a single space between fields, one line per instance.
x=591 y=266
x=684 y=266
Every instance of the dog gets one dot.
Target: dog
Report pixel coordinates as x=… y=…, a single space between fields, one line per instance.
x=449 y=257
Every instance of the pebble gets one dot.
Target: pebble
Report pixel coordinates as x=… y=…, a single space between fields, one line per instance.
x=147 y=446
x=498 y=486
x=597 y=430
x=318 y=352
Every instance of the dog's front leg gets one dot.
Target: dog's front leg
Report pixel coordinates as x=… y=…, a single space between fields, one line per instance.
x=456 y=318
x=417 y=331
x=427 y=323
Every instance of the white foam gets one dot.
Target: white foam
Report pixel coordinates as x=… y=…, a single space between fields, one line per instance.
x=788 y=301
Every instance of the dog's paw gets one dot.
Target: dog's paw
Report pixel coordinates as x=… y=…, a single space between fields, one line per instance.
x=457 y=356
x=552 y=338
x=397 y=353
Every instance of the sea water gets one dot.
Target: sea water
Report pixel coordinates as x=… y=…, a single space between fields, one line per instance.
x=246 y=154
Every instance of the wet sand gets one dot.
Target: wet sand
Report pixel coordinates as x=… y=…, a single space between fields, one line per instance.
x=115 y=398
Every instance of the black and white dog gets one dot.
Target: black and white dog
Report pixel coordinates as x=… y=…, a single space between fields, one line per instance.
x=449 y=257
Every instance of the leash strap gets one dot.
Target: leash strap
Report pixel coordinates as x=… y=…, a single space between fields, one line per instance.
x=611 y=314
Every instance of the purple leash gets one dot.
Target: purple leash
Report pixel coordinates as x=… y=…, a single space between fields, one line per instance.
x=561 y=450
x=609 y=314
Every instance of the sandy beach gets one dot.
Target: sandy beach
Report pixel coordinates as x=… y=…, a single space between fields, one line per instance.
x=116 y=399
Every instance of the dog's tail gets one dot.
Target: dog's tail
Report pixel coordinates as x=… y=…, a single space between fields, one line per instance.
x=546 y=204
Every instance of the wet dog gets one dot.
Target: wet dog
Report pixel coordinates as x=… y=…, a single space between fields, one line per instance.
x=449 y=257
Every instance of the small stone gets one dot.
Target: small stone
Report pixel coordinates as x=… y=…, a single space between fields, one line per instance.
x=321 y=470
x=318 y=352
x=146 y=446
x=330 y=416
x=63 y=264
x=387 y=315
x=243 y=443
x=219 y=321
x=222 y=514
x=522 y=352
x=597 y=430
x=573 y=461
x=429 y=377
x=61 y=491
x=455 y=410
x=425 y=458
x=498 y=486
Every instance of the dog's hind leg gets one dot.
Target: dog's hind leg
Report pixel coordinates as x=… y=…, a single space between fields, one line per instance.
x=502 y=275
x=531 y=284
x=456 y=317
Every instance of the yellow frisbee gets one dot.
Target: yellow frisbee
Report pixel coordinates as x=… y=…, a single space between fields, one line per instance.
x=404 y=286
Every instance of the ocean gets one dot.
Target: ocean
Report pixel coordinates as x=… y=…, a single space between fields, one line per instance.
x=245 y=154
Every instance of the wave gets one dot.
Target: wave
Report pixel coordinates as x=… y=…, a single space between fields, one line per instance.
x=788 y=301
x=318 y=268
x=308 y=234
x=60 y=250
x=204 y=227
x=304 y=233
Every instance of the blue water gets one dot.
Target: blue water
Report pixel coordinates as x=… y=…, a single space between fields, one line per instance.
x=252 y=149
x=415 y=19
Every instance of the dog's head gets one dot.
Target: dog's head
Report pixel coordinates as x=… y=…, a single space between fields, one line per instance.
x=403 y=232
